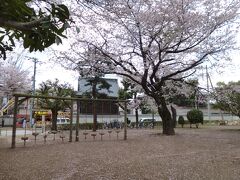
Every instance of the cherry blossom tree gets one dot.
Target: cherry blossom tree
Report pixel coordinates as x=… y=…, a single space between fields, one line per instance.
x=227 y=97
x=152 y=43
x=14 y=79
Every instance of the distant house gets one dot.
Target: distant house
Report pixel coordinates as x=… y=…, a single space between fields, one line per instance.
x=102 y=107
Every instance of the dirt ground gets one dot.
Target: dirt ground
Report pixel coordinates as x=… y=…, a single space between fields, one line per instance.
x=207 y=153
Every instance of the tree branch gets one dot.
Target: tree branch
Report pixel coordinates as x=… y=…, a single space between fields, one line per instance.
x=23 y=26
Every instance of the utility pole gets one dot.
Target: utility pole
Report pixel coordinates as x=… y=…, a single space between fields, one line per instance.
x=209 y=81
x=33 y=91
x=208 y=99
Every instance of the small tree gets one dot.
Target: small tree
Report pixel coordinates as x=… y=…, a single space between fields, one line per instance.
x=193 y=98
x=54 y=88
x=227 y=97
x=181 y=121
x=97 y=83
x=195 y=116
x=129 y=91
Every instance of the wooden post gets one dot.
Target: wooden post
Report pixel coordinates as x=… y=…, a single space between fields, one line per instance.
x=71 y=121
x=125 y=120
x=77 y=121
x=94 y=115
x=14 y=122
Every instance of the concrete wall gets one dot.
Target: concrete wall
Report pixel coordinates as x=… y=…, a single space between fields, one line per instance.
x=8 y=121
x=215 y=115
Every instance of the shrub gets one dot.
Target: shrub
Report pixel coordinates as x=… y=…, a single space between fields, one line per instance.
x=181 y=121
x=82 y=126
x=195 y=116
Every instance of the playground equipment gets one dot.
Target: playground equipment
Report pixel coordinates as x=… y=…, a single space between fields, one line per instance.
x=102 y=133
x=62 y=136
x=26 y=96
x=85 y=133
x=94 y=135
x=109 y=133
x=35 y=133
x=54 y=134
x=25 y=138
x=117 y=131
x=8 y=105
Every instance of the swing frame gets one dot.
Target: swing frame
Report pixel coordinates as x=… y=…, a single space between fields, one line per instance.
x=78 y=100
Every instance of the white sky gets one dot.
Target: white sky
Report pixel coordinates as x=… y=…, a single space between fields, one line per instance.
x=47 y=70
x=50 y=71
x=230 y=72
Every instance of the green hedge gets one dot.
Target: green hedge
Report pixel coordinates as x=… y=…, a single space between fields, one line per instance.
x=195 y=116
x=181 y=121
x=82 y=126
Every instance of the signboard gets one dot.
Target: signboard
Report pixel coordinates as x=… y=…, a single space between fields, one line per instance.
x=40 y=113
x=64 y=114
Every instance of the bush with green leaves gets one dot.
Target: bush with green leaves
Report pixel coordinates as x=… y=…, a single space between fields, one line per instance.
x=195 y=116
x=181 y=121
x=82 y=126
x=37 y=24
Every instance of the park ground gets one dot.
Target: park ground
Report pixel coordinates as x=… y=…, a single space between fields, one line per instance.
x=207 y=153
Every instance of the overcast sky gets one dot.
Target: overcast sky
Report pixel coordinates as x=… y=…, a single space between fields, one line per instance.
x=51 y=71
x=47 y=70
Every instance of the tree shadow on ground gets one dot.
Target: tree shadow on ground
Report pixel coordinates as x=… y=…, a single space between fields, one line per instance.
x=161 y=134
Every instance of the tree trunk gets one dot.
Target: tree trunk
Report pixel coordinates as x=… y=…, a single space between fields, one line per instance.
x=54 y=119
x=174 y=116
x=153 y=119
x=136 y=111
x=136 y=114
x=167 y=120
